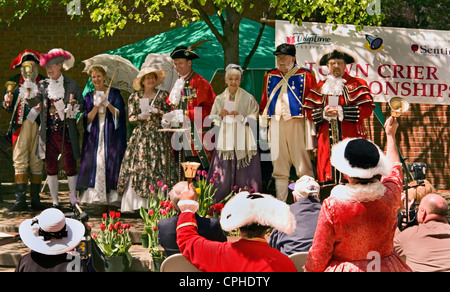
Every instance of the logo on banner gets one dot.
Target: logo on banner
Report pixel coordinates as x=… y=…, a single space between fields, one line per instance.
x=428 y=50
x=308 y=39
x=374 y=43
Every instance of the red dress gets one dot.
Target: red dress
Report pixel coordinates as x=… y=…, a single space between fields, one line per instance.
x=245 y=255
x=358 y=95
x=354 y=235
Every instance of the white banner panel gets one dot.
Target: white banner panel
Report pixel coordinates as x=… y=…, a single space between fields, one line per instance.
x=411 y=63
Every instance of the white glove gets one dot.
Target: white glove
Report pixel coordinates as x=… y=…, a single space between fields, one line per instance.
x=175 y=93
x=105 y=102
x=71 y=113
x=166 y=120
x=99 y=97
x=144 y=115
x=153 y=110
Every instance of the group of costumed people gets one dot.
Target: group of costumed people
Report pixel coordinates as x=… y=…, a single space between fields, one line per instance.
x=296 y=115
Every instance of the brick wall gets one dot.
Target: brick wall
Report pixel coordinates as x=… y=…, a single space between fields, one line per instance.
x=423 y=134
x=56 y=30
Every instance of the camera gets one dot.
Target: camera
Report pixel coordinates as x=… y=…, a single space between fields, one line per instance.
x=418 y=170
x=408 y=218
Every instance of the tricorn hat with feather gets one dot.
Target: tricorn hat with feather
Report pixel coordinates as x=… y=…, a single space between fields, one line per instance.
x=183 y=52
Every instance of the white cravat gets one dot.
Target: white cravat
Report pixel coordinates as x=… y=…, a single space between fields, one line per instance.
x=175 y=93
x=56 y=88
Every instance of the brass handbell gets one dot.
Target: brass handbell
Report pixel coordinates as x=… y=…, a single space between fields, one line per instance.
x=28 y=67
x=10 y=86
x=398 y=106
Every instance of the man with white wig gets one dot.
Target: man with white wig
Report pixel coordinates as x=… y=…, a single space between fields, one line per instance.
x=338 y=106
x=253 y=214
x=61 y=102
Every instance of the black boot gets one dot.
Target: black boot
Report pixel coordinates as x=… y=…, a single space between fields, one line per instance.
x=35 y=191
x=21 y=203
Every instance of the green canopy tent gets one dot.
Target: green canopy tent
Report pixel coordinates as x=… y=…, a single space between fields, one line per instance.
x=211 y=60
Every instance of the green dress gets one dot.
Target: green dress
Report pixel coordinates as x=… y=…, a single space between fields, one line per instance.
x=149 y=156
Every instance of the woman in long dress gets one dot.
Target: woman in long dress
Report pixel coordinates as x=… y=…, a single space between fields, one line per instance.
x=235 y=161
x=104 y=142
x=356 y=225
x=149 y=157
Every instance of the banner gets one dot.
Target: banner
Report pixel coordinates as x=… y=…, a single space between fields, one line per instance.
x=410 y=63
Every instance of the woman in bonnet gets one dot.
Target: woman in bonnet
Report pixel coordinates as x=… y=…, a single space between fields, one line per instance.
x=235 y=161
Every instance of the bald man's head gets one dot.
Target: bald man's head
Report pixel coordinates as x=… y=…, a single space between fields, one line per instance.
x=432 y=207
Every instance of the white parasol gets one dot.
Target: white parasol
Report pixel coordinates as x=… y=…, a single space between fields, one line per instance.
x=120 y=72
x=162 y=62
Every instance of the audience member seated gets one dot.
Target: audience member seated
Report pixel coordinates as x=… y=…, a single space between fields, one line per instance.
x=51 y=238
x=167 y=227
x=253 y=214
x=306 y=208
x=427 y=245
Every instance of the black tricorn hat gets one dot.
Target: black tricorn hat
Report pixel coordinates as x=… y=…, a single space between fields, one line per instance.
x=285 y=49
x=335 y=54
x=183 y=52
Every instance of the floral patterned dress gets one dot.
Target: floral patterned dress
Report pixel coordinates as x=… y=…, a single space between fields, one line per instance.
x=149 y=156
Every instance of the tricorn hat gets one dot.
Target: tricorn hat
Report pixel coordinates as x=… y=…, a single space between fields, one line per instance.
x=359 y=158
x=26 y=55
x=57 y=56
x=246 y=208
x=337 y=53
x=183 y=52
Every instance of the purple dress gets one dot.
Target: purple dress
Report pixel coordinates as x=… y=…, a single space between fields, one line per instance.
x=115 y=143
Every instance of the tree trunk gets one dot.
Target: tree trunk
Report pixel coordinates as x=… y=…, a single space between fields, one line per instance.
x=231 y=37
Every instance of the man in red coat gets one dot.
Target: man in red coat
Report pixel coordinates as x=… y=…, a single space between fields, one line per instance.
x=194 y=95
x=24 y=129
x=253 y=214
x=338 y=106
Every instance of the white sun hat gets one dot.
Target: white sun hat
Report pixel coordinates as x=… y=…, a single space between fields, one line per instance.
x=50 y=233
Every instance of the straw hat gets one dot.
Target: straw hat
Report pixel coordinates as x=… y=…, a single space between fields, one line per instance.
x=160 y=76
x=50 y=233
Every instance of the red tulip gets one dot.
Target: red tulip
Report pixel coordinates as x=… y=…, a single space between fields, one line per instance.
x=102 y=227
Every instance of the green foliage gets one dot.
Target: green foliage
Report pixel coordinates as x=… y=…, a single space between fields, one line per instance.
x=111 y=15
